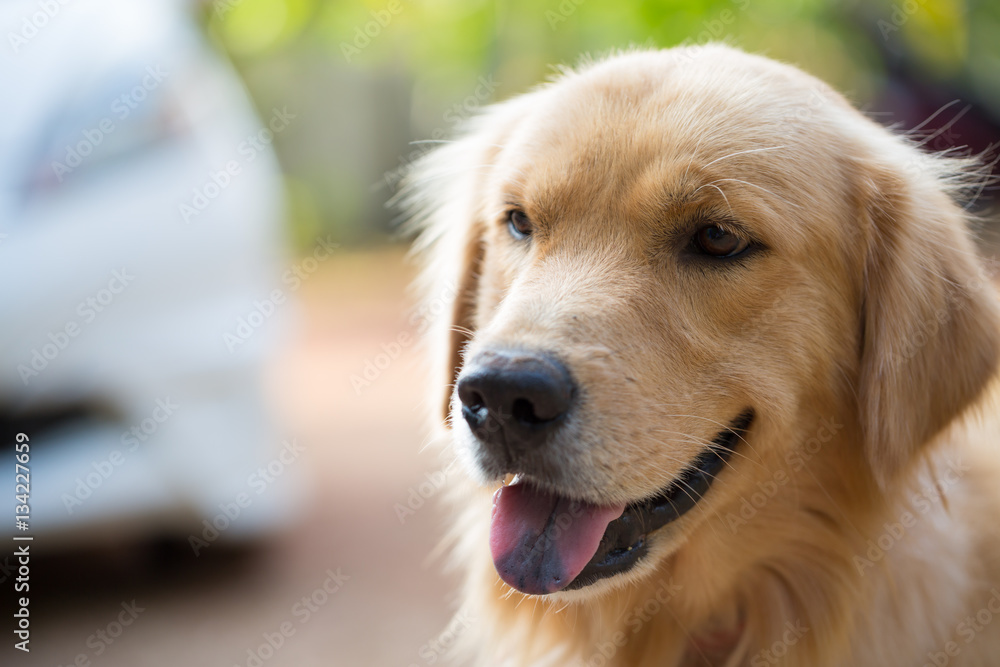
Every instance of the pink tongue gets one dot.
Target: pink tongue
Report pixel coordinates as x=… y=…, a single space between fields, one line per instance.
x=540 y=541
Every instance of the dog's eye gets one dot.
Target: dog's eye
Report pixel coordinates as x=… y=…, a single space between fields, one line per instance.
x=518 y=224
x=717 y=241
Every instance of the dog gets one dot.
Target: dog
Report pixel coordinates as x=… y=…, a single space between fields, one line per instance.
x=719 y=366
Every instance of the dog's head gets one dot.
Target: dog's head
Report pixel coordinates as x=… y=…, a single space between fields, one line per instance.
x=668 y=268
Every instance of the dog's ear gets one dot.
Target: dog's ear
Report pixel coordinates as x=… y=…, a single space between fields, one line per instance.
x=444 y=193
x=467 y=267
x=930 y=317
x=446 y=214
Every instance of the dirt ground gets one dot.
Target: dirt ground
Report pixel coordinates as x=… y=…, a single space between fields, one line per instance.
x=364 y=457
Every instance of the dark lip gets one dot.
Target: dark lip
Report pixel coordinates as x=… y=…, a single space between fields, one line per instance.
x=625 y=540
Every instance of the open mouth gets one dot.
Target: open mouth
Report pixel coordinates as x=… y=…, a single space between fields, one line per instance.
x=542 y=542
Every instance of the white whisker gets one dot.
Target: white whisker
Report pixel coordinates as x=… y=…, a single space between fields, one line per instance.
x=754 y=185
x=752 y=150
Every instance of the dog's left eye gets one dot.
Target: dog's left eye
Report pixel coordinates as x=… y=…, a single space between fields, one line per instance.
x=717 y=241
x=519 y=225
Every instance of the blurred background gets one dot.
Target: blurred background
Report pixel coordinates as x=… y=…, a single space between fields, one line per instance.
x=206 y=337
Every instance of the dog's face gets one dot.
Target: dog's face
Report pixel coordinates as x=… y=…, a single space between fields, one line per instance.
x=667 y=281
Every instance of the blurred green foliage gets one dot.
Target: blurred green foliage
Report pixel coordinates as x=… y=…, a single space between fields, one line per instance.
x=373 y=75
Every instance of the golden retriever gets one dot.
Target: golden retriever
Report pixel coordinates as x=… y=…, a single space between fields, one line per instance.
x=720 y=369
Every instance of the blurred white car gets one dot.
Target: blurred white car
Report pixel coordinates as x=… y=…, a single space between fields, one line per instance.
x=141 y=249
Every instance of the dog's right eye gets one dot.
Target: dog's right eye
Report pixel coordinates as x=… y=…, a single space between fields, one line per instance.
x=718 y=242
x=518 y=224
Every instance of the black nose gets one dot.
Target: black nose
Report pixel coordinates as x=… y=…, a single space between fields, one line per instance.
x=513 y=401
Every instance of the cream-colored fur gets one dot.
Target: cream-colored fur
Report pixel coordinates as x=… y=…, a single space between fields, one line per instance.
x=859 y=523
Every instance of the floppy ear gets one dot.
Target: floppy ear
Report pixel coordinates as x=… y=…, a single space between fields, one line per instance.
x=467 y=262
x=444 y=193
x=930 y=317
x=438 y=193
